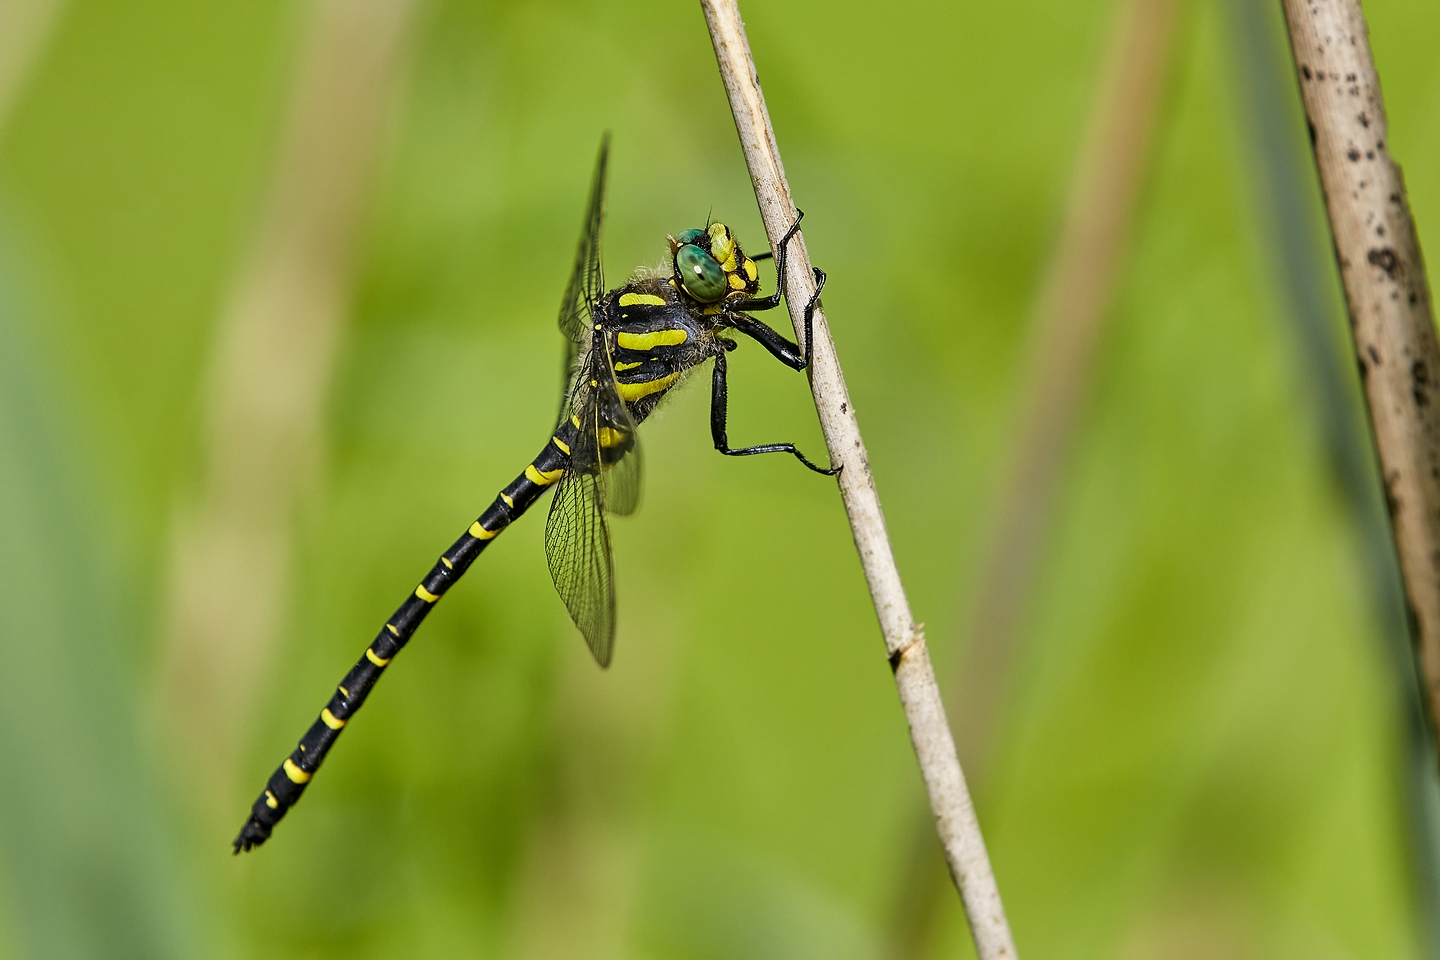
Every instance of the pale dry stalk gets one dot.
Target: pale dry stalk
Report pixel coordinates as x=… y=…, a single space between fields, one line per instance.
x=955 y=819
x=1385 y=289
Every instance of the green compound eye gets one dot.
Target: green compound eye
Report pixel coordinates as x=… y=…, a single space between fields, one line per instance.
x=700 y=274
x=690 y=236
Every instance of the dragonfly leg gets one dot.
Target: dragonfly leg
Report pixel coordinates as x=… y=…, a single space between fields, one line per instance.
x=773 y=301
x=781 y=347
x=719 y=396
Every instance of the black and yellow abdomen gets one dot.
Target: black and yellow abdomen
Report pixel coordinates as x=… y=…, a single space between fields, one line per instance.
x=289 y=780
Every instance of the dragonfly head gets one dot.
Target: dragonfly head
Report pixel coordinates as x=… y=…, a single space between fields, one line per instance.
x=710 y=266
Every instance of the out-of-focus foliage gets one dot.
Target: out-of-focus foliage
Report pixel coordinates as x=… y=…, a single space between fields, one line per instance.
x=1198 y=755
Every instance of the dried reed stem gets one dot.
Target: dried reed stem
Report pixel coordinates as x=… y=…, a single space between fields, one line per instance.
x=1385 y=288
x=955 y=820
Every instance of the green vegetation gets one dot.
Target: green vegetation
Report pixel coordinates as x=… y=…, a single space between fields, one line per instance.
x=1198 y=750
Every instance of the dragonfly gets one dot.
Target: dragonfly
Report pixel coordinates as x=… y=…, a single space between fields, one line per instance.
x=625 y=350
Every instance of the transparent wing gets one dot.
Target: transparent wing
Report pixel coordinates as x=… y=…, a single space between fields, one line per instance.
x=577 y=544
x=603 y=478
x=587 y=280
x=620 y=482
x=567 y=379
x=618 y=443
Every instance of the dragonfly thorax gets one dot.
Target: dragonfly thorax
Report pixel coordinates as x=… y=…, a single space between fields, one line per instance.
x=654 y=333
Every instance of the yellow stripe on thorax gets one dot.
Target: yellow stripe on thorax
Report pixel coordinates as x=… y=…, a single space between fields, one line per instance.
x=561 y=445
x=622 y=367
x=641 y=299
x=645 y=341
x=630 y=392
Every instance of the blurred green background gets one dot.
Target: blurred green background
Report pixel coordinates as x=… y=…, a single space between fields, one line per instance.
x=1198 y=753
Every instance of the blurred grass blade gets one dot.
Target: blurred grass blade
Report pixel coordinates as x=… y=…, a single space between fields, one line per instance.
x=25 y=29
x=267 y=385
x=86 y=860
x=1069 y=316
x=1070 y=312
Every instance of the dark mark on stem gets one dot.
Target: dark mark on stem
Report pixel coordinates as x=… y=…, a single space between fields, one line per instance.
x=1385 y=259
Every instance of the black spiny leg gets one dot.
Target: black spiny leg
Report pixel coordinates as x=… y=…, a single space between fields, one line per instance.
x=773 y=301
x=780 y=347
x=719 y=396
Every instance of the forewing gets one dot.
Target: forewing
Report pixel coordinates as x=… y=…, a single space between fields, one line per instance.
x=587 y=282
